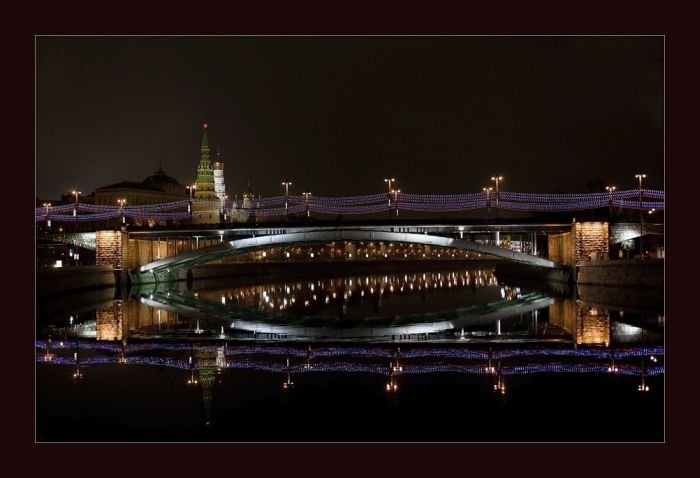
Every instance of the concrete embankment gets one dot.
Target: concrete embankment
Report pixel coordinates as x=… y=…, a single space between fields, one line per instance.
x=637 y=273
x=60 y=292
x=54 y=282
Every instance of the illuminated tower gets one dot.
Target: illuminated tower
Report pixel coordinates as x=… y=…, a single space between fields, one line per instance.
x=205 y=208
x=248 y=196
x=219 y=186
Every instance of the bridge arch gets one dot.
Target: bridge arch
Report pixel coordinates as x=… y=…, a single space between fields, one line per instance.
x=164 y=270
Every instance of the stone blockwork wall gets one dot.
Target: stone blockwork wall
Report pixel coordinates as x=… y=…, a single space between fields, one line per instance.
x=110 y=321
x=139 y=252
x=591 y=241
x=588 y=325
x=561 y=248
x=586 y=239
x=592 y=325
x=563 y=315
x=109 y=248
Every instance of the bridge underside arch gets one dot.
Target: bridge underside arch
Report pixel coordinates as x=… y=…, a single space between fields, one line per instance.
x=165 y=270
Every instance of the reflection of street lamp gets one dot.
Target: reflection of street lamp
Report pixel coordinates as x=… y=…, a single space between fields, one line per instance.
x=193 y=380
x=610 y=190
x=500 y=385
x=394 y=370
x=498 y=179
x=77 y=374
x=640 y=176
x=488 y=200
x=643 y=387
x=286 y=385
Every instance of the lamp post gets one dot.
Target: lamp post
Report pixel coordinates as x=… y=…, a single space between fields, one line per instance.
x=306 y=201
x=498 y=179
x=76 y=193
x=121 y=203
x=396 y=192
x=286 y=185
x=610 y=190
x=640 y=176
x=389 y=182
x=47 y=205
x=190 y=189
x=488 y=200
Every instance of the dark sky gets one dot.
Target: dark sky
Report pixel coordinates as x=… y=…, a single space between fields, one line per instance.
x=336 y=115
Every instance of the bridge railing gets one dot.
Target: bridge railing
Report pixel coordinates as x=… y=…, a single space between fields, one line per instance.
x=367 y=204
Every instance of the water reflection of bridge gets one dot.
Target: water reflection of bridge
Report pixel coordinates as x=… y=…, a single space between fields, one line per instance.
x=204 y=365
x=538 y=316
x=354 y=359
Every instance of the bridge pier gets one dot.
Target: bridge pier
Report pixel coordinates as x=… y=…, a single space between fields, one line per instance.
x=586 y=241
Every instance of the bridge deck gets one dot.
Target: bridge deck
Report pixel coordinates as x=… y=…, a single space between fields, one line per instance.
x=163 y=270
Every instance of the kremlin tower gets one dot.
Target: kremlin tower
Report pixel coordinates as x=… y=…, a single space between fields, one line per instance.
x=206 y=206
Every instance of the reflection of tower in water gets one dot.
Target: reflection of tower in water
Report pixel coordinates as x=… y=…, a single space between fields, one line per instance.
x=204 y=368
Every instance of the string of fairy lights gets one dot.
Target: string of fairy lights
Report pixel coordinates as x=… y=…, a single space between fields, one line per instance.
x=634 y=199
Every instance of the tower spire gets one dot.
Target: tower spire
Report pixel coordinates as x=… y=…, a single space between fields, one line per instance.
x=205 y=173
x=205 y=142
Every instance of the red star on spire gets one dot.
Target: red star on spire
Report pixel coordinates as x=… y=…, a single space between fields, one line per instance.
x=205 y=126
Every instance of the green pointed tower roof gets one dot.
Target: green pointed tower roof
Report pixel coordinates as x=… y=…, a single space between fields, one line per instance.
x=205 y=142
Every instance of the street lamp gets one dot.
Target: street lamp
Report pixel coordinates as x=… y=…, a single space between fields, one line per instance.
x=640 y=176
x=223 y=205
x=488 y=199
x=47 y=205
x=389 y=181
x=396 y=192
x=76 y=193
x=286 y=185
x=121 y=203
x=306 y=201
x=610 y=190
x=191 y=189
x=498 y=179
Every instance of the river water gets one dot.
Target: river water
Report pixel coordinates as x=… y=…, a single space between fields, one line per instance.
x=440 y=355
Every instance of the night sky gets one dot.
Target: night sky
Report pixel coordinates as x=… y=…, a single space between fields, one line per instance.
x=336 y=115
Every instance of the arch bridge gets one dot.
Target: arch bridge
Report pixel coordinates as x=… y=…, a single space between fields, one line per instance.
x=165 y=270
